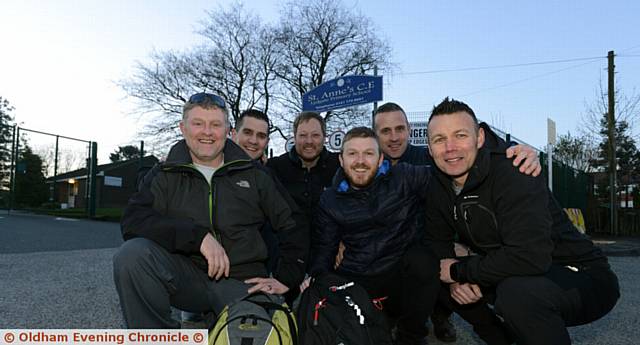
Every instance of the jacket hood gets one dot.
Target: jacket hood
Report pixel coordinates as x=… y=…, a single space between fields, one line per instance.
x=179 y=153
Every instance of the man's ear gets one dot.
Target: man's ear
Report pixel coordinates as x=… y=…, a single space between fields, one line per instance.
x=233 y=134
x=340 y=158
x=182 y=128
x=381 y=159
x=480 y=138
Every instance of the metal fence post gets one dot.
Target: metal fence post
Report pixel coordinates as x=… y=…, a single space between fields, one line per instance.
x=93 y=166
x=15 y=150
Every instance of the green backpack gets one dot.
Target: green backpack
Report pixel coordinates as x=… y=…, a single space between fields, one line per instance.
x=257 y=319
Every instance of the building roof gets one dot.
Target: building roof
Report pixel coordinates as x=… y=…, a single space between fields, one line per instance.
x=104 y=168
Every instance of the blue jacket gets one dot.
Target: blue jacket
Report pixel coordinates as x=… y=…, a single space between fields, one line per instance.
x=376 y=224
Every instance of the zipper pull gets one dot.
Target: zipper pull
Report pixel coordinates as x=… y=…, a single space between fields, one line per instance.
x=455 y=214
x=318 y=306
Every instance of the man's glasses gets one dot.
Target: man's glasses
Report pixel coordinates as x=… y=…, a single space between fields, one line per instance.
x=203 y=97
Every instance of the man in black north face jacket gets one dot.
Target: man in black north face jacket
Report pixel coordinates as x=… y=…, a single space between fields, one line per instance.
x=525 y=257
x=192 y=230
x=372 y=209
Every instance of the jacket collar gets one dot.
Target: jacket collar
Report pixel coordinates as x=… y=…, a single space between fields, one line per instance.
x=407 y=155
x=179 y=153
x=344 y=186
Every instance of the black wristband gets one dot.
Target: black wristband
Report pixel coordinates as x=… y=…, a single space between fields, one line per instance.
x=453 y=272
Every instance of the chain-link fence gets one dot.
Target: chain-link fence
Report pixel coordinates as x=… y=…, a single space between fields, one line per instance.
x=34 y=166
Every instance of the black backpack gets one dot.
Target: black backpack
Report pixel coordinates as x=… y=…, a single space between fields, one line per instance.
x=336 y=311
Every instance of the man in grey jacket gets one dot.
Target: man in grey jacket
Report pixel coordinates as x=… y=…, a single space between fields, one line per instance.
x=192 y=230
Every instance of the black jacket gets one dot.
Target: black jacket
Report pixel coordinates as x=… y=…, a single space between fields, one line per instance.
x=376 y=224
x=305 y=186
x=415 y=155
x=510 y=219
x=176 y=207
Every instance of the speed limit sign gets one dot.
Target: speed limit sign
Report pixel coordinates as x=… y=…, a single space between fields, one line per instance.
x=335 y=140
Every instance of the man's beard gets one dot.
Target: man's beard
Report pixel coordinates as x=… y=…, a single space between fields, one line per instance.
x=357 y=180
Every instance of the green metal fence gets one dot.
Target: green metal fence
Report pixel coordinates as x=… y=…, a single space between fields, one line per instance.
x=572 y=188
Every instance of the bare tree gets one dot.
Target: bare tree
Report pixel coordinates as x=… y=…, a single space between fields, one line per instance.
x=69 y=159
x=161 y=90
x=323 y=40
x=627 y=110
x=255 y=65
x=235 y=59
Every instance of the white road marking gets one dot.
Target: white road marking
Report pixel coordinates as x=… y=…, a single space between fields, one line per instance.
x=67 y=219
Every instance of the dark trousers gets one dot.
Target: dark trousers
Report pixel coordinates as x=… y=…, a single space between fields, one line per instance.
x=150 y=280
x=411 y=289
x=537 y=309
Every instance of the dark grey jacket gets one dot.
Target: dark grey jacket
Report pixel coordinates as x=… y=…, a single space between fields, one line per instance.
x=176 y=207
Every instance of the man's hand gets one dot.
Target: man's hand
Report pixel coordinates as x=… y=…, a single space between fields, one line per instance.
x=339 y=256
x=465 y=293
x=525 y=157
x=216 y=257
x=269 y=285
x=445 y=266
x=305 y=284
x=461 y=250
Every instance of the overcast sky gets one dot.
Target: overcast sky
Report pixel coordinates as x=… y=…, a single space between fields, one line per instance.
x=59 y=60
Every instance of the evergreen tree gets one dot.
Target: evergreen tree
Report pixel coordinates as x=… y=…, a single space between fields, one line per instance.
x=627 y=156
x=31 y=188
x=124 y=153
x=6 y=138
x=579 y=152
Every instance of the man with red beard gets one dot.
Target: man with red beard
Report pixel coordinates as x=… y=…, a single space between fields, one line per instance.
x=372 y=209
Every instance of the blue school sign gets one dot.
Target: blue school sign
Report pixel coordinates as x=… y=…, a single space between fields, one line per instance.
x=343 y=92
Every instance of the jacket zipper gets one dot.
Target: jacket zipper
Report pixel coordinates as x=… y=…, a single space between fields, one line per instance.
x=212 y=200
x=212 y=189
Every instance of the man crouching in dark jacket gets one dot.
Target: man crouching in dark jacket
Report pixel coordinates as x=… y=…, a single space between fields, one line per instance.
x=527 y=259
x=192 y=231
x=372 y=209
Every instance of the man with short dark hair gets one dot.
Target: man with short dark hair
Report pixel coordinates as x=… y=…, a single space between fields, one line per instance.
x=252 y=133
x=527 y=259
x=191 y=232
x=392 y=128
x=371 y=209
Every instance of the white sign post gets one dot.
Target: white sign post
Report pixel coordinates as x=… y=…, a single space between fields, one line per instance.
x=551 y=140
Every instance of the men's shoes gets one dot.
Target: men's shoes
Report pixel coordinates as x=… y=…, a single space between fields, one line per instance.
x=444 y=329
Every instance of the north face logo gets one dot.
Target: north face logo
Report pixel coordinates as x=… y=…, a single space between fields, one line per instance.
x=243 y=184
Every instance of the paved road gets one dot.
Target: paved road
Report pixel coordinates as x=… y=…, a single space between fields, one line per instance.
x=57 y=273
